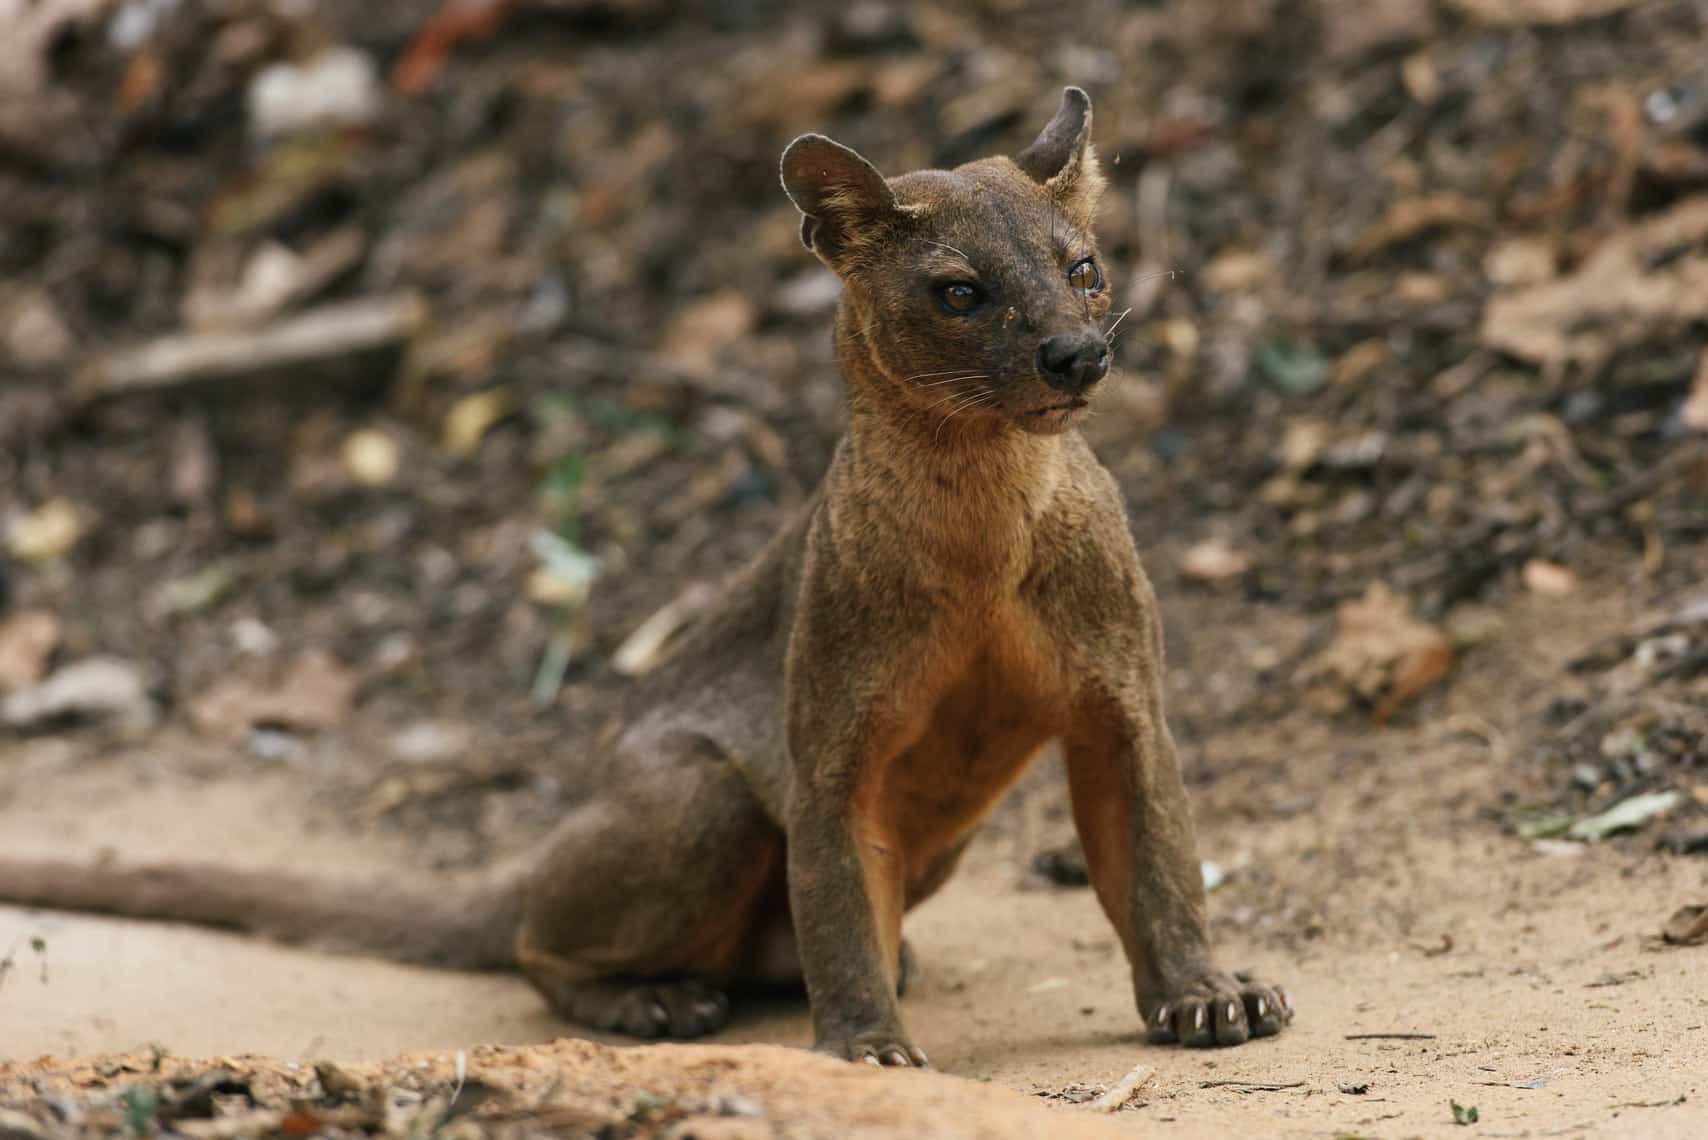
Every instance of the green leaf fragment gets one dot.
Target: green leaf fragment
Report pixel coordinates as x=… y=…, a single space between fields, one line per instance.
x=1545 y=826
x=1626 y=815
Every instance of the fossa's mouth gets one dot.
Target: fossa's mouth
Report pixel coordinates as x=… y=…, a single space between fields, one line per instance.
x=1066 y=407
x=1053 y=418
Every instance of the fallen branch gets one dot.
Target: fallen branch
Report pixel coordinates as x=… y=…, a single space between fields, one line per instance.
x=326 y=333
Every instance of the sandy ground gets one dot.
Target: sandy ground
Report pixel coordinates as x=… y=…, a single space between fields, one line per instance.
x=1367 y=874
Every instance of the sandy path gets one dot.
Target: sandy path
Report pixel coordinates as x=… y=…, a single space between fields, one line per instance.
x=1552 y=1010
x=1023 y=987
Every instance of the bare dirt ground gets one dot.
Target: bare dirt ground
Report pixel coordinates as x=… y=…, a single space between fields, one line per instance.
x=1364 y=871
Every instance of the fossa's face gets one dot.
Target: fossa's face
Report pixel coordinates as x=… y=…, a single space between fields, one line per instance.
x=978 y=292
x=990 y=300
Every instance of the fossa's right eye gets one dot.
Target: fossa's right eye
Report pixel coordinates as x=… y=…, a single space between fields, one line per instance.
x=960 y=297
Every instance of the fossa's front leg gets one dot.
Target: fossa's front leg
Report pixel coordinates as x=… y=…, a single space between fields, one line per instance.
x=1135 y=824
x=854 y=704
x=846 y=896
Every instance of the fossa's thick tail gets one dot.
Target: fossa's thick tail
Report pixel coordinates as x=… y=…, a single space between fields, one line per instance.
x=467 y=926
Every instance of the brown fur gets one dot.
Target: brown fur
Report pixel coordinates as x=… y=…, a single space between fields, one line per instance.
x=811 y=761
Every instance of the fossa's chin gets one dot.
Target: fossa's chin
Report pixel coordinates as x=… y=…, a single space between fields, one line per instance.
x=1052 y=419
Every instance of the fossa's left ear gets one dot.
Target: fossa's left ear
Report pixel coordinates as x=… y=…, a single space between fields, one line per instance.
x=846 y=205
x=1062 y=158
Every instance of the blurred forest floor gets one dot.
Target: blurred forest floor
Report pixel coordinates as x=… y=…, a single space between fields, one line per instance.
x=371 y=374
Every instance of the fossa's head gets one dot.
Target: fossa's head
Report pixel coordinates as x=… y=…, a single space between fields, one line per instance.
x=975 y=292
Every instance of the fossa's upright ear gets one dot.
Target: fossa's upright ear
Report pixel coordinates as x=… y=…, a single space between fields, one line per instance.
x=1062 y=159
x=844 y=202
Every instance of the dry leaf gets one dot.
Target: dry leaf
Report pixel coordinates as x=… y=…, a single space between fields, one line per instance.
x=1549 y=578
x=1361 y=361
x=1421 y=78
x=1695 y=410
x=47 y=533
x=316 y=692
x=1409 y=218
x=471 y=417
x=91 y=689
x=1381 y=655
x=1302 y=440
x=33 y=333
x=1354 y=29
x=1238 y=270
x=371 y=457
x=27 y=639
x=1213 y=561
x=702 y=330
x=1687 y=926
x=1520 y=261
x=1635 y=285
x=30 y=31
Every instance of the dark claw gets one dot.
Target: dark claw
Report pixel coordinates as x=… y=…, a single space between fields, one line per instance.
x=1220 y=1014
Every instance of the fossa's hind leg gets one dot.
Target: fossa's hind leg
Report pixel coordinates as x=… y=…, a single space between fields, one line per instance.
x=645 y=903
x=682 y=1008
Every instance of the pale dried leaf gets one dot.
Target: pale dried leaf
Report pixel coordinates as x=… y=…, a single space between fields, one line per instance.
x=1549 y=578
x=371 y=457
x=1409 y=218
x=1238 y=270
x=27 y=639
x=47 y=533
x=1353 y=29
x=1695 y=410
x=316 y=692
x=1213 y=561
x=700 y=331
x=1633 y=287
x=86 y=690
x=1688 y=926
x=1380 y=655
x=471 y=417
x=29 y=29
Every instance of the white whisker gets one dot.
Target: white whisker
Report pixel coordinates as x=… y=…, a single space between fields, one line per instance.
x=923 y=375
x=955 y=379
x=946 y=399
x=977 y=399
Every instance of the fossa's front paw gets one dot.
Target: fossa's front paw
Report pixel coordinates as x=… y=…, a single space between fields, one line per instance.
x=1219 y=1009
x=888 y=1048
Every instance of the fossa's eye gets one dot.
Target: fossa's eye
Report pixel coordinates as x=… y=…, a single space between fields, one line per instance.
x=960 y=297
x=1086 y=277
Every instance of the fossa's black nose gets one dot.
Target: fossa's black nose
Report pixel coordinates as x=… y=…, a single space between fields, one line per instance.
x=1073 y=362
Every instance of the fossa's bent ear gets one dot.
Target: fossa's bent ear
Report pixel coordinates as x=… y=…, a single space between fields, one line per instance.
x=843 y=199
x=1062 y=159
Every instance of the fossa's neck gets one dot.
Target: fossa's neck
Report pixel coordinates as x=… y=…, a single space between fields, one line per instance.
x=966 y=487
